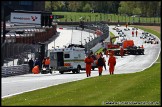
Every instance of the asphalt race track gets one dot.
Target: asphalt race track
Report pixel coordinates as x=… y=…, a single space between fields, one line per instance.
x=128 y=64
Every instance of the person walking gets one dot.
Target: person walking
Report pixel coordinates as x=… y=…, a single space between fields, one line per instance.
x=47 y=62
x=36 y=70
x=100 y=63
x=111 y=63
x=31 y=65
x=89 y=60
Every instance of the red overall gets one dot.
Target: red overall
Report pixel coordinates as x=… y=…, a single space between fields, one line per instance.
x=121 y=52
x=111 y=64
x=88 y=62
x=132 y=33
x=136 y=33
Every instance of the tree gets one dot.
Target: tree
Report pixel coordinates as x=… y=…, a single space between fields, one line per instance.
x=47 y=5
x=137 y=11
x=87 y=8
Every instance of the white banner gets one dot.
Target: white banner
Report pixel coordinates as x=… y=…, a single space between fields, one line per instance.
x=26 y=18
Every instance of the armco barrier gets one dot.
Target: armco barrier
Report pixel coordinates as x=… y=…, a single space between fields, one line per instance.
x=15 y=70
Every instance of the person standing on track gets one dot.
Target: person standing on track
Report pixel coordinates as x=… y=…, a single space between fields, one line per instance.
x=47 y=62
x=126 y=25
x=31 y=64
x=132 y=33
x=43 y=62
x=136 y=33
x=121 y=52
x=111 y=63
x=89 y=60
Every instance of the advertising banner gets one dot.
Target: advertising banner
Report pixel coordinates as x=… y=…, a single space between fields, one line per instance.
x=26 y=18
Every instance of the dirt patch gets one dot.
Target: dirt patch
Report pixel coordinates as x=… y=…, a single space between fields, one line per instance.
x=156 y=28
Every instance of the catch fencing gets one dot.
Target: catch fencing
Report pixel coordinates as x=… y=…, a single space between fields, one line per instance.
x=100 y=38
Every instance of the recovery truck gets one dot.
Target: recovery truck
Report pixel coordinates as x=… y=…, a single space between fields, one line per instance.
x=128 y=46
x=68 y=59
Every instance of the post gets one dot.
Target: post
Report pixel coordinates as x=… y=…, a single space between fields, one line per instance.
x=4 y=26
x=81 y=36
x=85 y=41
x=54 y=43
x=72 y=32
x=88 y=38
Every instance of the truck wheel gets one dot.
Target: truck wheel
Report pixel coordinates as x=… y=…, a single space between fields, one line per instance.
x=93 y=68
x=73 y=71
x=78 y=69
x=61 y=72
x=50 y=71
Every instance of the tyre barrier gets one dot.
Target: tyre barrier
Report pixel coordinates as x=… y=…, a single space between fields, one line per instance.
x=15 y=70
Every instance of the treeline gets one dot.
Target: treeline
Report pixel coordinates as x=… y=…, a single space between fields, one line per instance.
x=142 y=8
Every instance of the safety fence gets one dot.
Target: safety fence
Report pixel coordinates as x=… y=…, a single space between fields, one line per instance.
x=19 y=47
x=91 y=17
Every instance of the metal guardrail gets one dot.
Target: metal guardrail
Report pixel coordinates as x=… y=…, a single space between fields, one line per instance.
x=101 y=26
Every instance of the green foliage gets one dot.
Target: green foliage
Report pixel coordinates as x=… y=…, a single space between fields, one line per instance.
x=47 y=5
x=87 y=8
x=137 y=11
x=143 y=8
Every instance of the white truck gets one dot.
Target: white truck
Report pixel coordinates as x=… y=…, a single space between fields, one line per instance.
x=67 y=59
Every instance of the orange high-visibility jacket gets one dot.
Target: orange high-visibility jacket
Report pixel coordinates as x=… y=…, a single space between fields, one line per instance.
x=47 y=61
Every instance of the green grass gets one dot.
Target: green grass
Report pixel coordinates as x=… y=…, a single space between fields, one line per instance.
x=140 y=86
x=103 y=17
